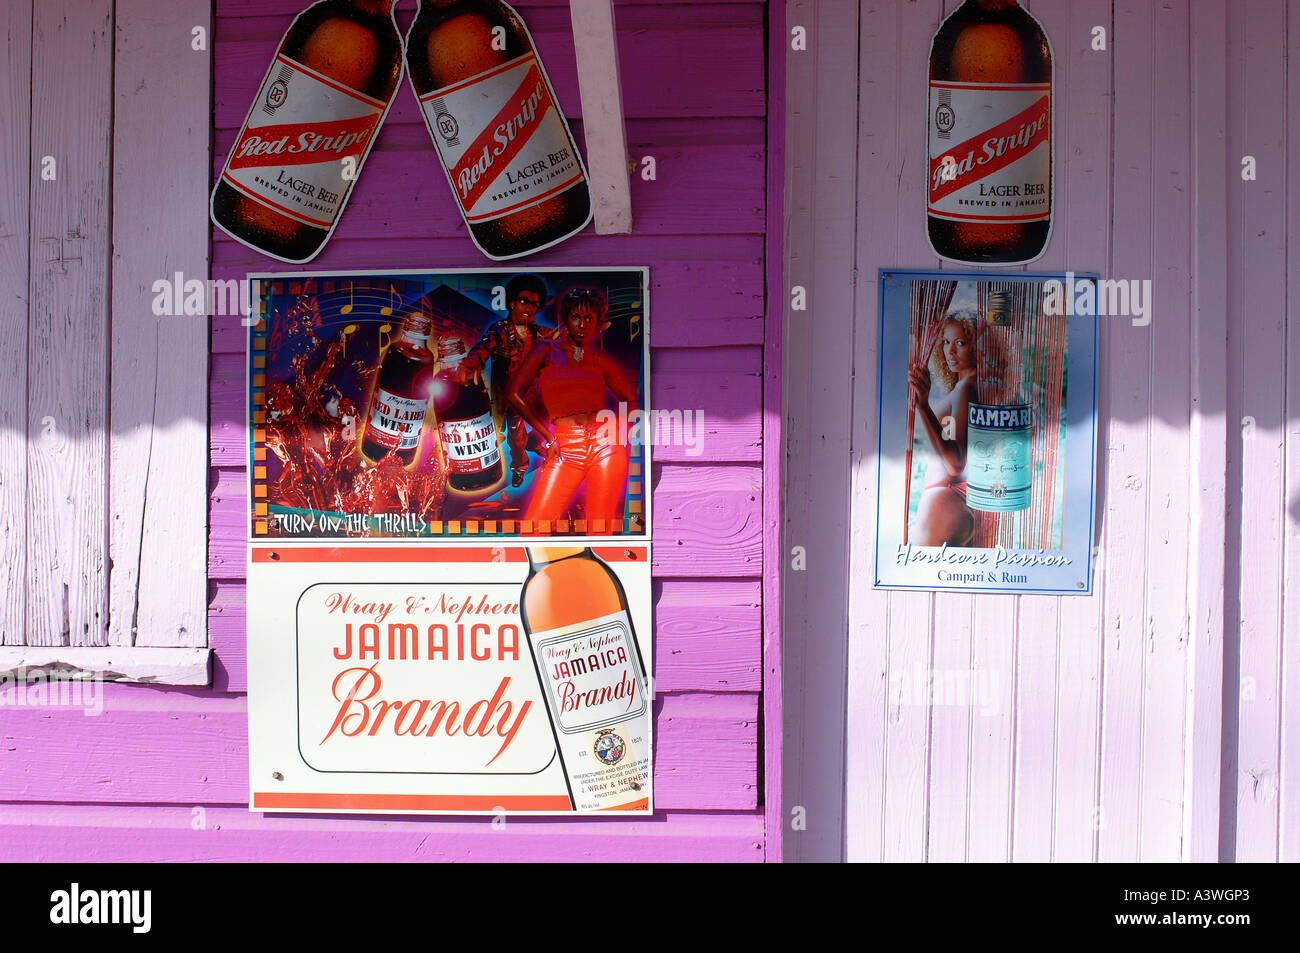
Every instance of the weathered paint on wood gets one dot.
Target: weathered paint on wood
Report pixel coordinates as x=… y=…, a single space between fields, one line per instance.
x=148 y=665
x=158 y=406
x=15 y=254
x=209 y=834
x=67 y=344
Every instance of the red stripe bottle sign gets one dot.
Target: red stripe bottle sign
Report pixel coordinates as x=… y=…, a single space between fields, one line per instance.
x=512 y=163
x=990 y=170
x=309 y=129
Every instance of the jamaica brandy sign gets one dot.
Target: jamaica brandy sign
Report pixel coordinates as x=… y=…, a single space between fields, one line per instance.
x=449 y=560
x=450 y=679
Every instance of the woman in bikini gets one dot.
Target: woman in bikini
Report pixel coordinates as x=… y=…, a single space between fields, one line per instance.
x=581 y=446
x=944 y=391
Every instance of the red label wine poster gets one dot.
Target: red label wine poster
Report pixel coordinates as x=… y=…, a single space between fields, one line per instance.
x=450 y=405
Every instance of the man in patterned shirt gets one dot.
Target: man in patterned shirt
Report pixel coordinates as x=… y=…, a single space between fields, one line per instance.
x=506 y=343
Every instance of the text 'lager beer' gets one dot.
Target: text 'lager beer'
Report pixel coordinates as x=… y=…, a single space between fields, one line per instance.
x=589 y=664
x=400 y=400
x=498 y=129
x=465 y=425
x=310 y=128
x=990 y=170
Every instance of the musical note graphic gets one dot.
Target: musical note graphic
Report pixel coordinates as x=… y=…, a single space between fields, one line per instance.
x=634 y=324
x=347 y=308
x=392 y=297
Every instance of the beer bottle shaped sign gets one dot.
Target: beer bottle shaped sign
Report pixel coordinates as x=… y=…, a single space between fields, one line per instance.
x=470 y=445
x=593 y=679
x=513 y=166
x=400 y=399
x=309 y=130
x=990 y=136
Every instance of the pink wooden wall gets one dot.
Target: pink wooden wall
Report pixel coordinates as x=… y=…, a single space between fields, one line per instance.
x=127 y=785
x=1159 y=718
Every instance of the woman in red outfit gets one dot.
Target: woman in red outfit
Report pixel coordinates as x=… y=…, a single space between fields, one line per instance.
x=581 y=445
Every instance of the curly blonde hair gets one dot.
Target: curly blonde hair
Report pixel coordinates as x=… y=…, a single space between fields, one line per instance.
x=969 y=322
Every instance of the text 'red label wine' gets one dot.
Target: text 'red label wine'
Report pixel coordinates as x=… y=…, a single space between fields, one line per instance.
x=303 y=143
x=471 y=445
x=595 y=692
x=502 y=140
x=396 y=421
x=990 y=152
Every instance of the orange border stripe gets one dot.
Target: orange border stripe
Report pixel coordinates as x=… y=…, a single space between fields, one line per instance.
x=412 y=802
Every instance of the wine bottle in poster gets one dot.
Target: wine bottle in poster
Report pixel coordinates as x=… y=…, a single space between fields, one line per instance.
x=592 y=676
x=470 y=442
x=400 y=399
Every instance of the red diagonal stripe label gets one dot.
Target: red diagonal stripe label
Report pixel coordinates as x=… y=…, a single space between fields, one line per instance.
x=502 y=138
x=979 y=157
x=303 y=143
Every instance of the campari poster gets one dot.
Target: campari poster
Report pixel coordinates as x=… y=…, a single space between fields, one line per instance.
x=449 y=561
x=987 y=462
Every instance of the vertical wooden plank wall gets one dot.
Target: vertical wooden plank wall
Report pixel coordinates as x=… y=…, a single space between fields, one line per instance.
x=1097 y=736
x=67 y=345
x=1289 y=795
x=695 y=97
x=15 y=255
x=1260 y=347
x=818 y=362
x=157 y=500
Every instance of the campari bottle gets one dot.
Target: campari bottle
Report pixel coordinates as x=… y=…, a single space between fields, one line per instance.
x=470 y=444
x=400 y=399
x=592 y=677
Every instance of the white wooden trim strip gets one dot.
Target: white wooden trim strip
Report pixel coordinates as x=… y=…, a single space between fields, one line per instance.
x=595 y=40
x=158 y=666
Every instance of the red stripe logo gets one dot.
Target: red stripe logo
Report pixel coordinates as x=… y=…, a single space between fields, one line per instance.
x=989 y=152
x=303 y=143
x=502 y=139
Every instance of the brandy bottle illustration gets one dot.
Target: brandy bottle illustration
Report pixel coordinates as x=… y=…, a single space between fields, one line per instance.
x=400 y=400
x=470 y=441
x=592 y=677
